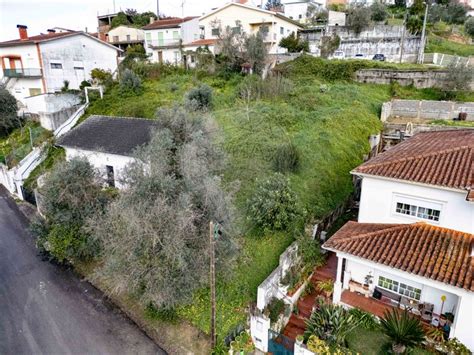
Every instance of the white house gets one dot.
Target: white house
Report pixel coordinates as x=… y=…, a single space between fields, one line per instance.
x=124 y=36
x=298 y=9
x=108 y=143
x=429 y=178
x=40 y=64
x=164 y=38
x=249 y=19
x=425 y=269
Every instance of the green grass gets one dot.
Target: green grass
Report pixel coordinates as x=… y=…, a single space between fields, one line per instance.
x=17 y=144
x=372 y=342
x=54 y=155
x=452 y=123
x=436 y=44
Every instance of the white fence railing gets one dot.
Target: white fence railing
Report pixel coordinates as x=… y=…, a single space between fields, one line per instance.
x=14 y=178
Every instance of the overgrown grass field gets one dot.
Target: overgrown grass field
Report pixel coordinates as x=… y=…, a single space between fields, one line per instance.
x=329 y=122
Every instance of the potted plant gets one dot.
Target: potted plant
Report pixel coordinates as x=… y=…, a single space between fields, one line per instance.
x=327 y=287
x=299 y=339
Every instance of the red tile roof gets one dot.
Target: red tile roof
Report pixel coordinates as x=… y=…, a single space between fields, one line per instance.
x=37 y=39
x=202 y=42
x=168 y=23
x=437 y=253
x=442 y=158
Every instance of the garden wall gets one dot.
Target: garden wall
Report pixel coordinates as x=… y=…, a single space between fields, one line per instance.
x=443 y=60
x=426 y=109
x=420 y=79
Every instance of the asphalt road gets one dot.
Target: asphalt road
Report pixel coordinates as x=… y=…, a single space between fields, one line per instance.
x=45 y=309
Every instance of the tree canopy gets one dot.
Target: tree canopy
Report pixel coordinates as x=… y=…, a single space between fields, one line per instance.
x=8 y=112
x=155 y=235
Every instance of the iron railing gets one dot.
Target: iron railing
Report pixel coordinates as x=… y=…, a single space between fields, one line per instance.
x=163 y=42
x=23 y=73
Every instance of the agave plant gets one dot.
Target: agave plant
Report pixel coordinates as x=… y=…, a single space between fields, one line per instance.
x=331 y=323
x=403 y=330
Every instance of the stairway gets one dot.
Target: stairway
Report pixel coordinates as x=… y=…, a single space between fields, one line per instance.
x=297 y=323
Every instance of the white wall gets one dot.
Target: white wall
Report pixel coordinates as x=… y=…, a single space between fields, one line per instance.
x=75 y=52
x=379 y=196
x=250 y=20
x=464 y=320
x=51 y=102
x=296 y=10
x=136 y=34
x=100 y=160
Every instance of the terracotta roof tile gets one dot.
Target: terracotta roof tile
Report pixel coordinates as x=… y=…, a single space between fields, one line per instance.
x=38 y=38
x=443 y=158
x=168 y=23
x=437 y=253
x=202 y=42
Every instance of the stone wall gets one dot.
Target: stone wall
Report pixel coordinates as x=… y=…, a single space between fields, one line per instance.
x=420 y=79
x=374 y=40
x=426 y=110
x=443 y=60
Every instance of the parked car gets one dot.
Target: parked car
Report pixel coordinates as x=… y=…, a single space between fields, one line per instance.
x=360 y=56
x=379 y=57
x=339 y=55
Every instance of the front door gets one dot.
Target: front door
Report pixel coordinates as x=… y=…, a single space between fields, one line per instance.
x=110 y=176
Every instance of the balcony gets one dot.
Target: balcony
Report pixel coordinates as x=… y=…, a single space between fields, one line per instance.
x=163 y=43
x=23 y=73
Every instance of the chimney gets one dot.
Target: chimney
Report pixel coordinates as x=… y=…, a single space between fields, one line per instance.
x=22 y=30
x=50 y=30
x=152 y=19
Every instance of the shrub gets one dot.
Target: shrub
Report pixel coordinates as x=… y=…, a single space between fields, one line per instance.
x=358 y=17
x=84 y=84
x=294 y=44
x=274 y=308
x=286 y=158
x=378 y=11
x=469 y=26
x=130 y=82
x=329 y=44
x=8 y=112
x=102 y=77
x=458 y=77
x=454 y=346
x=331 y=323
x=365 y=319
x=200 y=97
x=162 y=314
x=404 y=330
x=274 y=205
x=70 y=195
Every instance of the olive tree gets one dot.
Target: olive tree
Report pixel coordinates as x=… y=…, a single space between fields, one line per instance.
x=358 y=17
x=155 y=235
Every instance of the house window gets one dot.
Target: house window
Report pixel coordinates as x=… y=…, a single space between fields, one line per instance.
x=300 y=16
x=115 y=38
x=430 y=214
x=175 y=35
x=282 y=30
x=400 y=288
x=56 y=66
x=78 y=68
x=148 y=36
x=110 y=175
x=193 y=59
x=128 y=38
x=236 y=30
x=215 y=32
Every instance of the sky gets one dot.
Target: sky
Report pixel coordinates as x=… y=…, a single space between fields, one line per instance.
x=39 y=15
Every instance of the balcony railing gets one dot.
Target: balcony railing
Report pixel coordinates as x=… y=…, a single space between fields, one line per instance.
x=23 y=73
x=163 y=43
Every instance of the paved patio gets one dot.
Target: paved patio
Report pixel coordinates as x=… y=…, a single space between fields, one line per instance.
x=368 y=304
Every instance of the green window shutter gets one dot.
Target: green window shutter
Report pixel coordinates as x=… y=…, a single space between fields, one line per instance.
x=175 y=35
x=161 y=42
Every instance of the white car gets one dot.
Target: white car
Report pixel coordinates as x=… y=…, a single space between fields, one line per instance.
x=338 y=55
x=360 y=56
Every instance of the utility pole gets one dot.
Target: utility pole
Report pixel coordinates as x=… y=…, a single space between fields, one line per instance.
x=212 y=238
x=157 y=9
x=421 y=53
x=403 y=35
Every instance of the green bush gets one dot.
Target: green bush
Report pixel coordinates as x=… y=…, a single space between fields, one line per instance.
x=404 y=330
x=469 y=26
x=274 y=205
x=274 y=308
x=200 y=97
x=130 y=83
x=8 y=112
x=162 y=314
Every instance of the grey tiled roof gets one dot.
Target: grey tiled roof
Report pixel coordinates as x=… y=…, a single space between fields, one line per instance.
x=109 y=134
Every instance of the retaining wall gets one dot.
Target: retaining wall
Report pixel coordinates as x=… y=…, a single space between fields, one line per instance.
x=420 y=79
x=426 y=109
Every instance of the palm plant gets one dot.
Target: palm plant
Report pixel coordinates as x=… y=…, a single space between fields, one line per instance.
x=331 y=323
x=403 y=330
